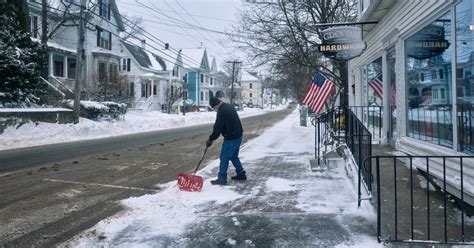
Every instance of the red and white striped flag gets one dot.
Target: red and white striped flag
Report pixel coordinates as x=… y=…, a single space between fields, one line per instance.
x=318 y=92
x=377 y=85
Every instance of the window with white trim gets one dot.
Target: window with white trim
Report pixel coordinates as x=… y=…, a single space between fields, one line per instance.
x=104 y=39
x=104 y=8
x=125 y=64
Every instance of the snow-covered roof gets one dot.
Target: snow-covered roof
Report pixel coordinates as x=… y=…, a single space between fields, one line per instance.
x=57 y=46
x=246 y=76
x=169 y=58
x=213 y=63
x=145 y=58
x=193 y=57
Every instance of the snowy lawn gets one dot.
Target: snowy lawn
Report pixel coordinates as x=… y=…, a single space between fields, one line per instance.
x=283 y=204
x=135 y=121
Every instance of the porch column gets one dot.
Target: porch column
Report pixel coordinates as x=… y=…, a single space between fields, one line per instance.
x=152 y=86
x=387 y=112
x=51 y=65
x=65 y=66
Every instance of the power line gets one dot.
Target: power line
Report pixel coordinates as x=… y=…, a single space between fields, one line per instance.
x=195 y=20
x=131 y=35
x=176 y=52
x=197 y=31
x=200 y=16
x=177 y=22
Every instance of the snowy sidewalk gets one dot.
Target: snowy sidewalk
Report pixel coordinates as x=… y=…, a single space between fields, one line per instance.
x=282 y=204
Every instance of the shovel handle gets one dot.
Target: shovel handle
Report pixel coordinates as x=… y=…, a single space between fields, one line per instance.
x=200 y=161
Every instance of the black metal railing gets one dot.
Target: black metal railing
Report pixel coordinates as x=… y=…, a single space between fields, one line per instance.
x=409 y=212
x=330 y=130
x=372 y=118
x=359 y=142
x=341 y=125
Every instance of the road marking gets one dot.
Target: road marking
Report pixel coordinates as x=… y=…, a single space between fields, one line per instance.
x=99 y=185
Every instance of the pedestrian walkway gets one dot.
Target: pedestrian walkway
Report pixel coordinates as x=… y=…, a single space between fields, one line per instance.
x=282 y=204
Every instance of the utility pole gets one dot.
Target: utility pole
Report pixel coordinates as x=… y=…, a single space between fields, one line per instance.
x=81 y=56
x=44 y=38
x=233 y=79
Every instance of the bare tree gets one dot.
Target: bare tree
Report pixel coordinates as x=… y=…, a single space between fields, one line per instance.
x=286 y=34
x=134 y=26
x=112 y=86
x=172 y=94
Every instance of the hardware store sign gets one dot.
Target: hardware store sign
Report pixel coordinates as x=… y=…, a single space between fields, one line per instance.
x=342 y=43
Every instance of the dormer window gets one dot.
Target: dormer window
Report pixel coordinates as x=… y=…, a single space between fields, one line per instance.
x=104 y=8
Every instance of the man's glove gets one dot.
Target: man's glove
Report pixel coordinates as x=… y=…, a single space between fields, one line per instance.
x=208 y=143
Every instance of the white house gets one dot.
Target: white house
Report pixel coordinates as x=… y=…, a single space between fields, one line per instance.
x=152 y=77
x=102 y=45
x=251 y=89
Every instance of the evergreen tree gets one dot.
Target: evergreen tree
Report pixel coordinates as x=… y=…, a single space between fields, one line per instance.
x=20 y=64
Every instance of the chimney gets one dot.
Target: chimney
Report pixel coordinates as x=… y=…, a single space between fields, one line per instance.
x=143 y=43
x=167 y=45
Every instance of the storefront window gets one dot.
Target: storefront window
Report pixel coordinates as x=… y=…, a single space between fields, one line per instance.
x=464 y=75
x=429 y=86
x=375 y=83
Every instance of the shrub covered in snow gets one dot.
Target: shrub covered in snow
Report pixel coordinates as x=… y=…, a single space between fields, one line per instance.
x=99 y=110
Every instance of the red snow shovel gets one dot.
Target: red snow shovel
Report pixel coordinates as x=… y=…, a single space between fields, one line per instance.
x=191 y=183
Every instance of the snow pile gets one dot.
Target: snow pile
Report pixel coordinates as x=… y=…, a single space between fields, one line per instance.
x=134 y=121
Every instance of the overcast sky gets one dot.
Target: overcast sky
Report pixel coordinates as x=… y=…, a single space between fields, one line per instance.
x=177 y=22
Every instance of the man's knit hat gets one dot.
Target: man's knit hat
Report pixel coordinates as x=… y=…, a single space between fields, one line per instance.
x=214 y=101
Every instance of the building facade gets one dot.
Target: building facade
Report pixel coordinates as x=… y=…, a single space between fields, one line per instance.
x=198 y=71
x=102 y=43
x=421 y=53
x=251 y=89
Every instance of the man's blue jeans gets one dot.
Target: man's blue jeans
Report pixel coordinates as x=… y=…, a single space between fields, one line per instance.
x=230 y=152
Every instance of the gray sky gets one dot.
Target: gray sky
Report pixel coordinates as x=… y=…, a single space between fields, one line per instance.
x=177 y=22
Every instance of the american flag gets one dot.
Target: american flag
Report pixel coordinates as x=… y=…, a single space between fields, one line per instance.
x=318 y=92
x=377 y=85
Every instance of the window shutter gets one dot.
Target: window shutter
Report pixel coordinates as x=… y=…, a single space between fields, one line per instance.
x=110 y=40
x=100 y=7
x=128 y=64
x=98 y=36
x=108 y=10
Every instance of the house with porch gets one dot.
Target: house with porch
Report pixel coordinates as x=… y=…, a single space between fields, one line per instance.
x=142 y=69
x=102 y=45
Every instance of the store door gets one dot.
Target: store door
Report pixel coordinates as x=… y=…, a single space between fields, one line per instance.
x=391 y=79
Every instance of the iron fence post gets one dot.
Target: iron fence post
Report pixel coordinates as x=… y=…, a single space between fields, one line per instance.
x=379 y=212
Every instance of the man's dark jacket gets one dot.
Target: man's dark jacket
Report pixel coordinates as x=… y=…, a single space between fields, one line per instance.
x=227 y=123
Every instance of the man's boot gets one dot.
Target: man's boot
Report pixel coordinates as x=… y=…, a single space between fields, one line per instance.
x=240 y=177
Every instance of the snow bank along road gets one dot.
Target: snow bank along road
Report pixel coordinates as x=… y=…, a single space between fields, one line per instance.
x=65 y=188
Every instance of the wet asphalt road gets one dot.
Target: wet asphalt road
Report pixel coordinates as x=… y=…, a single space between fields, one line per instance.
x=50 y=193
